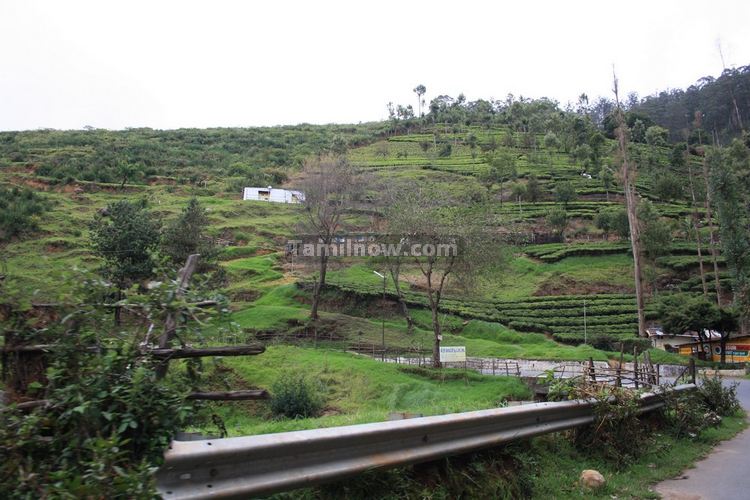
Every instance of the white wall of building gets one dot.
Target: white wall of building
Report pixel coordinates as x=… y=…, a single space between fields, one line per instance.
x=275 y=195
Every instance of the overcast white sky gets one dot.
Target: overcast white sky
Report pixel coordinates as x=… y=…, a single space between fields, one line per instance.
x=170 y=64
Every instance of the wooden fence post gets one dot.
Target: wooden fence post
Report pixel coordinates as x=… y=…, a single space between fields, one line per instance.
x=635 y=366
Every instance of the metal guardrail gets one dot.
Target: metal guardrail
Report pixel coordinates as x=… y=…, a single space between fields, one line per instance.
x=248 y=466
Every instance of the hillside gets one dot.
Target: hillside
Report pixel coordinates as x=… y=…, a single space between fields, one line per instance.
x=541 y=288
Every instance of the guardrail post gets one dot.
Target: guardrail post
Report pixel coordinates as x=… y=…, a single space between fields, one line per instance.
x=692 y=370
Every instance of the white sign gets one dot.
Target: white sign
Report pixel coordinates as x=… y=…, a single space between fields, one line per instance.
x=452 y=354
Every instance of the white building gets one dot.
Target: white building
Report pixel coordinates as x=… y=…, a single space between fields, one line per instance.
x=275 y=195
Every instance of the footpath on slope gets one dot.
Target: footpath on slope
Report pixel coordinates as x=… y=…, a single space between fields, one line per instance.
x=723 y=474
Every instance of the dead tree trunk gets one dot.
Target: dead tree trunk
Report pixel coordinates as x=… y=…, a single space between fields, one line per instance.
x=401 y=301
x=631 y=203
x=712 y=233
x=319 y=286
x=696 y=228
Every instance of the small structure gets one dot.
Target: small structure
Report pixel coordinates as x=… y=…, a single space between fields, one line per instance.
x=275 y=195
x=738 y=349
x=669 y=342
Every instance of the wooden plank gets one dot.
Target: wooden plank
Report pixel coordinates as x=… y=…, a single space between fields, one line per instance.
x=230 y=395
x=190 y=352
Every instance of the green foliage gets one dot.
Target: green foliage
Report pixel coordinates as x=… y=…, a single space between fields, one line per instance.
x=557 y=218
x=124 y=235
x=657 y=136
x=682 y=312
x=187 y=235
x=188 y=156
x=107 y=425
x=730 y=188
x=656 y=234
x=613 y=220
x=668 y=187
x=296 y=396
x=445 y=150
x=565 y=193
x=533 y=189
x=19 y=211
x=720 y=398
x=616 y=434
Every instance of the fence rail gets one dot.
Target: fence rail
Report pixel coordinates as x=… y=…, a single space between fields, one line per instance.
x=260 y=465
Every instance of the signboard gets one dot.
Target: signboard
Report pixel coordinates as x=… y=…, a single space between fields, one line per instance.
x=453 y=354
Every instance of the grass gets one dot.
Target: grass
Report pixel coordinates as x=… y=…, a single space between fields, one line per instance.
x=560 y=464
x=545 y=467
x=357 y=390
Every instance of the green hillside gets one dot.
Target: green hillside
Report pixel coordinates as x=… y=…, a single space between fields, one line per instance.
x=540 y=289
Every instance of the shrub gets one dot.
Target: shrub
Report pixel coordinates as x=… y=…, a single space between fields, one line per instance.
x=295 y=396
x=19 y=210
x=718 y=397
x=108 y=423
x=616 y=434
x=686 y=414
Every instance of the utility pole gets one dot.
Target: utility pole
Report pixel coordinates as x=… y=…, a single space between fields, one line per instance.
x=382 y=323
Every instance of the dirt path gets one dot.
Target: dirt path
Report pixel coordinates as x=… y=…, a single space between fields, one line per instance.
x=722 y=475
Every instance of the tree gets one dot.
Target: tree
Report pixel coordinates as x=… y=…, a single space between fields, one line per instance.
x=186 y=235
x=551 y=141
x=339 y=146
x=729 y=168
x=423 y=217
x=608 y=180
x=680 y=313
x=565 y=193
x=502 y=169
x=628 y=173
x=638 y=131
x=533 y=189
x=127 y=171
x=330 y=186
x=668 y=187
x=656 y=234
x=420 y=91
x=124 y=235
x=657 y=136
x=557 y=218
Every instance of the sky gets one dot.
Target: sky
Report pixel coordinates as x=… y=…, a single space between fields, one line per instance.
x=171 y=64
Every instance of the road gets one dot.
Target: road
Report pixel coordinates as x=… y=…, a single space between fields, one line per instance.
x=722 y=475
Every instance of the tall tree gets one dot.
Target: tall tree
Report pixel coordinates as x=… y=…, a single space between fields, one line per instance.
x=124 y=235
x=628 y=173
x=423 y=218
x=330 y=186
x=712 y=243
x=729 y=188
x=186 y=235
x=502 y=168
x=420 y=91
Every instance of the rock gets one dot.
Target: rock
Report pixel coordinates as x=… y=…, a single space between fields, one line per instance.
x=591 y=479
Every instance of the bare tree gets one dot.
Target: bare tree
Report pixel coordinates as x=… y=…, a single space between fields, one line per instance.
x=628 y=172
x=330 y=186
x=446 y=246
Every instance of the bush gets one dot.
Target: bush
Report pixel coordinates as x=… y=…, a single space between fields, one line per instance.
x=294 y=396
x=617 y=434
x=19 y=210
x=718 y=397
x=687 y=415
x=108 y=423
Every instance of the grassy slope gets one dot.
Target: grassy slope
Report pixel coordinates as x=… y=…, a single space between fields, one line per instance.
x=358 y=390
